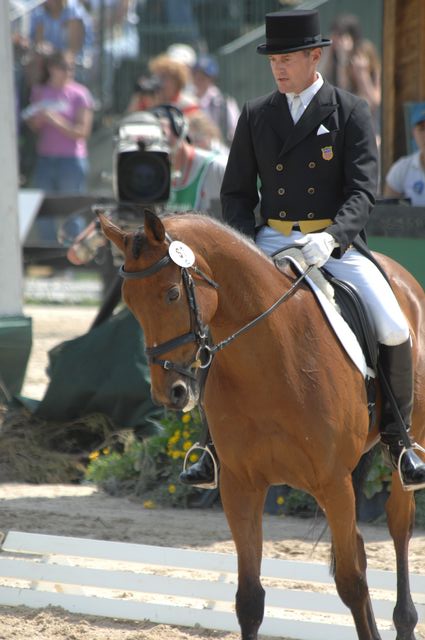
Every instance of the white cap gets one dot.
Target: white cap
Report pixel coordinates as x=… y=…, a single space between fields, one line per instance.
x=182 y=53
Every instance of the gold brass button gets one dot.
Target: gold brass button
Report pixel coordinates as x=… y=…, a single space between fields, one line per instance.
x=310 y=215
x=281 y=191
x=282 y=214
x=279 y=167
x=311 y=165
x=311 y=190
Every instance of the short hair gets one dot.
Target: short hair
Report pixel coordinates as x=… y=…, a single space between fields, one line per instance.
x=163 y=64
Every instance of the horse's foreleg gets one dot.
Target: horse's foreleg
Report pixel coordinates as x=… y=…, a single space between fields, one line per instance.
x=349 y=556
x=400 y=510
x=244 y=508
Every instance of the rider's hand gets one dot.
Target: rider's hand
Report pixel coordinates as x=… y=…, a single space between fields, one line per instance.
x=317 y=247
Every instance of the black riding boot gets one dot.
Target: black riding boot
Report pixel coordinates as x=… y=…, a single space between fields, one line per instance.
x=203 y=472
x=396 y=364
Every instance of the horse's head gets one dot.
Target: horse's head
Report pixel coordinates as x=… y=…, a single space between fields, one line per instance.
x=168 y=288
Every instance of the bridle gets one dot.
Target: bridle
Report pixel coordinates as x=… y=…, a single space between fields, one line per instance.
x=199 y=332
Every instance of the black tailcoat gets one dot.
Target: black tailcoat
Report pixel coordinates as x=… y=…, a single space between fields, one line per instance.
x=299 y=174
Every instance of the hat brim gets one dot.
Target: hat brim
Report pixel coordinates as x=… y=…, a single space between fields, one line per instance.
x=263 y=49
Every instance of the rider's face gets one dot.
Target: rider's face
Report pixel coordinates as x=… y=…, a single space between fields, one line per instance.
x=294 y=72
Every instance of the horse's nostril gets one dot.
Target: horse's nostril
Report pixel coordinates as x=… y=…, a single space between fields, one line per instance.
x=178 y=392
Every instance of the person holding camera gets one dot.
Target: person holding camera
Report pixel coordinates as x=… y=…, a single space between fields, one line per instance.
x=195 y=175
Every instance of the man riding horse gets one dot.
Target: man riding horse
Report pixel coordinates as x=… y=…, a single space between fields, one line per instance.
x=307 y=152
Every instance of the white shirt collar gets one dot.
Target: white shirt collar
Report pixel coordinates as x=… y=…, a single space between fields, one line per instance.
x=308 y=94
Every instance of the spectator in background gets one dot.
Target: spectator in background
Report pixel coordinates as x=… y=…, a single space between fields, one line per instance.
x=174 y=77
x=61 y=115
x=59 y=22
x=406 y=177
x=352 y=63
x=182 y=53
x=146 y=94
x=205 y=134
x=196 y=173
x=222 y=109
x=196 y=176
x=67 y=25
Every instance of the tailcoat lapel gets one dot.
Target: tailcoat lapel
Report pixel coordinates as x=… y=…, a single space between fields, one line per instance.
x=278 y=116
x=323 y=109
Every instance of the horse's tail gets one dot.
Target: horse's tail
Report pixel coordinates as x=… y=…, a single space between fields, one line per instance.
x=358 y=477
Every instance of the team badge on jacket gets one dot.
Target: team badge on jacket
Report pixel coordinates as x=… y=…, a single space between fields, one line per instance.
x=327 y=153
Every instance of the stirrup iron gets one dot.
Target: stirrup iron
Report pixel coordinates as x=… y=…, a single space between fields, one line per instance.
x=408 y=487
x=206 y=485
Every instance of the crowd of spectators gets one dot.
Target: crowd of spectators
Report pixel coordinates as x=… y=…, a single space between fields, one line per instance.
x=57 y=56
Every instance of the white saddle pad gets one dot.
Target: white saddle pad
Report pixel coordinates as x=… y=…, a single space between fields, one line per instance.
x=324 y=295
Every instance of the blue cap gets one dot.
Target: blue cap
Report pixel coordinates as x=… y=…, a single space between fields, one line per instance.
x=417 y=114
x=207 y=64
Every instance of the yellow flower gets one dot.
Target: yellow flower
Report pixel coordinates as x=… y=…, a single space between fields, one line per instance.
x=187 y=445
x=186 y=434
x=280 y=500
x=106 y=451
x=186 y=418
x=149 y=504
x=94 y=455
x=172 y=488
x=193 y=457
x=175 y=454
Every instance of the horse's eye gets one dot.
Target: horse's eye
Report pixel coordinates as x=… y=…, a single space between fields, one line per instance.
x=173 y=294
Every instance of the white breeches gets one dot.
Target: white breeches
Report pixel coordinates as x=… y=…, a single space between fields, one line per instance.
x=353 y=267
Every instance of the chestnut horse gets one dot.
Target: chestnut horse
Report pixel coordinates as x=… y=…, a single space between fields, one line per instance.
x=284 y=403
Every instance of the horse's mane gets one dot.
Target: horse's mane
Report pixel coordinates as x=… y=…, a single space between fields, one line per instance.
x=199 y=218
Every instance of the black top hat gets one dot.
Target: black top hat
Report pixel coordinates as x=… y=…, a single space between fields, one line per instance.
x=288 y=31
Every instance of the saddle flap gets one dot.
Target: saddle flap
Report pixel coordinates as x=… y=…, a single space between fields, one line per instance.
x=343 y=307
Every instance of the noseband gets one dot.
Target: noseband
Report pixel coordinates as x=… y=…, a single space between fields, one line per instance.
x=200 y=332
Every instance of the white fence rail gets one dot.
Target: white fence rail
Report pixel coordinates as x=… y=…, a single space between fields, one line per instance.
x=182 y=587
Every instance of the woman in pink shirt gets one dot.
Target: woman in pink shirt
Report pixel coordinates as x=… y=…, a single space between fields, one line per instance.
x=61 y=114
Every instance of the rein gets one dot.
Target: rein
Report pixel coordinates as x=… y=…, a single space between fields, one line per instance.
x=199 y=333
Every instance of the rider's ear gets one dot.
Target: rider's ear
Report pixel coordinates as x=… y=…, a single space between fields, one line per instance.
x=112 y=232
x=154 y=229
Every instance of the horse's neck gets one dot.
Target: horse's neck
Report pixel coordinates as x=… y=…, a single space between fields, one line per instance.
x=247 y=279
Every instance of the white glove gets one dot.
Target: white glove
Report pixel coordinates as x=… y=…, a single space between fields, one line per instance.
x=317 y=247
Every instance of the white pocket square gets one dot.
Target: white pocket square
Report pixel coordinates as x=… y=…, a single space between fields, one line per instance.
x=321 y=130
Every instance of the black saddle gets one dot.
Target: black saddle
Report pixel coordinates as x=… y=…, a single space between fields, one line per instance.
x=357 y=316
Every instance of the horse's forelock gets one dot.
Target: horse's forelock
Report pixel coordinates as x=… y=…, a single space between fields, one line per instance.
x=139 y=240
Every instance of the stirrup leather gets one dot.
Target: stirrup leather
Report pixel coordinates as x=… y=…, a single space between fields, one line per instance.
x=411 y=487
x=206 y=485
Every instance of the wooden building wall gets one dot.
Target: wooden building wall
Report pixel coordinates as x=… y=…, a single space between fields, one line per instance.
x=403 y=71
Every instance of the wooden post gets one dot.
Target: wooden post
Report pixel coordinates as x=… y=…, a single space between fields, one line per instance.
x=403 y=78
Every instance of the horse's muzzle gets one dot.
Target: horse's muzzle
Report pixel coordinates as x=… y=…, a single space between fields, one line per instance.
x=182 y=395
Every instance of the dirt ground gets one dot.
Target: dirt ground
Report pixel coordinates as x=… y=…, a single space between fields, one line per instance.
x=83 y=511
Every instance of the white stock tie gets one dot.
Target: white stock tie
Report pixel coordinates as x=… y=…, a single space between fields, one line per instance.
x=296 y=109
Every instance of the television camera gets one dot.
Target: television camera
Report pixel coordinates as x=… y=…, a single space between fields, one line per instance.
x=141 y=161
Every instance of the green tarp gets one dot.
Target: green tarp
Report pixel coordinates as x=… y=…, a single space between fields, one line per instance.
x=15 y=349
x=105 y=371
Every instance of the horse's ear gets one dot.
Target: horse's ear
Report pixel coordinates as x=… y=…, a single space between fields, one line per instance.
x=112 y=232
x=154 y=229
